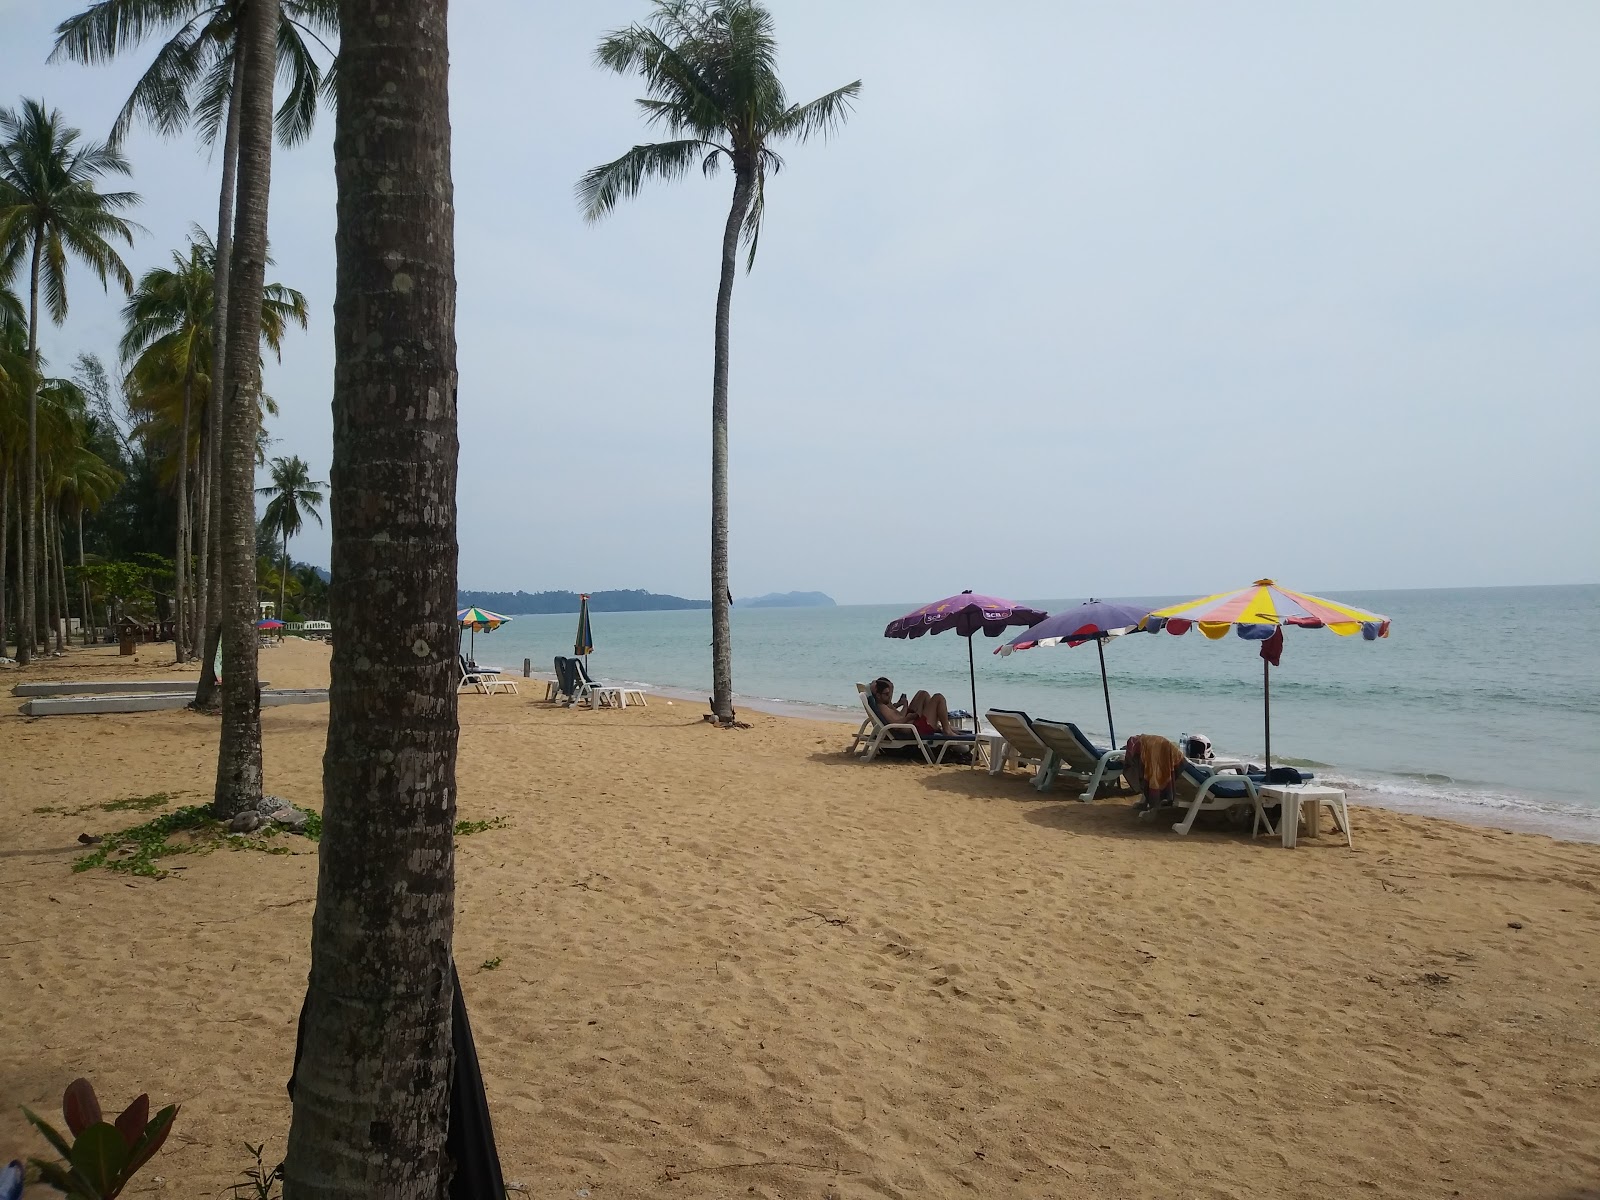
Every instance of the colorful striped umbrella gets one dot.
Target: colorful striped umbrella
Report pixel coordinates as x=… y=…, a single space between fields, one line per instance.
x=1092 y=621
x=476 y=619
x=1258 y=613
x=966 y=614
x=584 y=645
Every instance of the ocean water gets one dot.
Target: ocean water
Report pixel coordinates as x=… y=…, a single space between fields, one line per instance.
x=1482 y=705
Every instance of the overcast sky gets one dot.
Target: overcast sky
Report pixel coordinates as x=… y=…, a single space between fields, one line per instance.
x=1121 y=299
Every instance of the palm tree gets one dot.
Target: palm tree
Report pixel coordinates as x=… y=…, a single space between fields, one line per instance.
x=238 y=427
x=378 y=1001
x=14 y=372
x=50 y=207
x=711 y=78
x=197 y=76
x=294 y=495
x=169 y=342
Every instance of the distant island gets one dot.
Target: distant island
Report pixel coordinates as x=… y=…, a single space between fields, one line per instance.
x=514 y=604
x=787 y=600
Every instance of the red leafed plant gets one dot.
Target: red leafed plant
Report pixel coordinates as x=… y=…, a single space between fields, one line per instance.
x=104 y=1154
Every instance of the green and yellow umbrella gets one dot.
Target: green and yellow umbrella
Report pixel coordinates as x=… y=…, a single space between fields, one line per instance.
x=476 y=619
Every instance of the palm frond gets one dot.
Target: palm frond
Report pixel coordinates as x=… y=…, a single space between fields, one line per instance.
x=103 y=30
x=823 y=116
x=298 y=112
x=600 y=189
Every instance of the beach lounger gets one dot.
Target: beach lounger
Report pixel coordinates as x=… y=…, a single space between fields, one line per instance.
x=1199 y=789
x=1023 y=746
x=1072 y=752
x=875 y=734
x=487 y=680
x=601 y=695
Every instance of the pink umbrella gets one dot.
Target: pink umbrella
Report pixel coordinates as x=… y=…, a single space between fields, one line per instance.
x=966 y=614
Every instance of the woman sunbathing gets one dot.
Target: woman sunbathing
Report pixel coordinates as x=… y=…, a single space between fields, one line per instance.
x=928 y=714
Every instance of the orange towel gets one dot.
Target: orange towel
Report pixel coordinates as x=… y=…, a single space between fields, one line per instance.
x=1159 y=759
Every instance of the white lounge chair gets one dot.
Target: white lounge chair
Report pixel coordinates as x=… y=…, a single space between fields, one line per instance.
x=1023 y=746
x=1071 y=751
x=874 y=734
x=1199 y=789
x=487 y=680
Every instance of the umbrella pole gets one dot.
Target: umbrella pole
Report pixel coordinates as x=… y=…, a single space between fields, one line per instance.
x=972 y=678
x=1266 y=703
x=1100 y=645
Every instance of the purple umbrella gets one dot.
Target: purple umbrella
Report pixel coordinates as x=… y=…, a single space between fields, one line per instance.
x=966 y=614
x=1093 y=621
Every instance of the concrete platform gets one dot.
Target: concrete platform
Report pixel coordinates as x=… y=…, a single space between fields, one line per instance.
x=61 y=706
x=109 y=687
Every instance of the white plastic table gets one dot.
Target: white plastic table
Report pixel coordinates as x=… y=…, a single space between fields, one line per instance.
x=1295 y=798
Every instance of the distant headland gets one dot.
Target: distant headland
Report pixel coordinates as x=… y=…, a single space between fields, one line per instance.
x=514 y=604
x=787 y=600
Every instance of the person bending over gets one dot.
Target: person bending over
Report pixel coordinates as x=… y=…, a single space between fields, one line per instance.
x=928 y=714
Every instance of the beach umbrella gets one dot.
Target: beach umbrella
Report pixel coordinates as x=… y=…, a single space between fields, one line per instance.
x=269 y=623
x=476 y=619
x=1092 y=621
x=1258 y=613
x=966 y=614
x=584 y=645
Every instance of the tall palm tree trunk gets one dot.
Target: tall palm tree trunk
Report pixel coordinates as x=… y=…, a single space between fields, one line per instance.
x=283 y=576
x=30 y=494
x=5 y=537
x=83 y=583
x=47 y=582
x=23 y=632
x=209 y=615
x=721 y=594
x=376 y=1023
x=61 y=575
x=180 y=646
x=239 y=747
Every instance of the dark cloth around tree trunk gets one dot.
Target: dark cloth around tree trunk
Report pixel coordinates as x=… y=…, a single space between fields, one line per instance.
x=469 y=1141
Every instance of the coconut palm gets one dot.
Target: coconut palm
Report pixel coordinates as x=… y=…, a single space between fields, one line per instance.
x=197 y=77
x=14 y=372
x=170 y=348
x=294 y=495
x=711 y=82
x=51 y=208
x=381 y=984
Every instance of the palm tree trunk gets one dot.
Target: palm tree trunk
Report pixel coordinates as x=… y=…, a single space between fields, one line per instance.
x=376 y=1023
x=61 y=575
x=210 y=608
x=239 y=747
x=5 y=532
x=23 y=632
x=30 y=496
x=180 y=647
x=283 y=576
x=47 y=581
x=83 y=584
x=721 y=593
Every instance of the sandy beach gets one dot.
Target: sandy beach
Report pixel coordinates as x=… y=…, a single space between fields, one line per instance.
x=742 y=964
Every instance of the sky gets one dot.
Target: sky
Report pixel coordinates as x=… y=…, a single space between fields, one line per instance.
x=1086 y=298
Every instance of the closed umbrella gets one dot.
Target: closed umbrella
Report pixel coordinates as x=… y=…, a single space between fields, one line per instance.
x=1258 y=613
x=583 y=646
x=1093 y=621
x=475 y=619
x=966 y=614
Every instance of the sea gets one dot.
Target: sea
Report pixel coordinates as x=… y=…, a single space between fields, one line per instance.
x=1483 y=704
